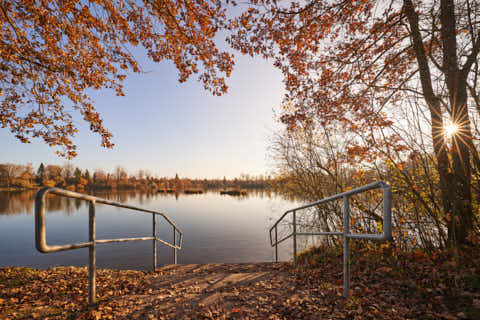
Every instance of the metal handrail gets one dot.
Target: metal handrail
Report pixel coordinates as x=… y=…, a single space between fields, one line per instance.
x=385 y=236
x=41 y=234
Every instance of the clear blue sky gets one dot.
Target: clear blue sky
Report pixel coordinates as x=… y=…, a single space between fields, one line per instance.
x=168 y=127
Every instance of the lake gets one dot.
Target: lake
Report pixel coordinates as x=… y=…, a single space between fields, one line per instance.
x=216 y=228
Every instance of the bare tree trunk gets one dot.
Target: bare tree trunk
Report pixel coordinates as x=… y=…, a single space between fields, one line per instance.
x=455 y=173
x=461 y=222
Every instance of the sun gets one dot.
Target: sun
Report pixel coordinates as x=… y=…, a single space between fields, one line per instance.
x=450 y=129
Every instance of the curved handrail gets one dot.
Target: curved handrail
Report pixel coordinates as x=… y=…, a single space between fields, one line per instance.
x=40 y=231
x=384 y=236
x=387 y=231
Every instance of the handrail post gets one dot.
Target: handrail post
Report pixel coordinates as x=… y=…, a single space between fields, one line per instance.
x=346 y=247
x=276 y=244
x=174 y=246
x=387 y=209
x=294 y=239
x=91 y=254
x=41 y=241
x=154 y=235
x=385 y=236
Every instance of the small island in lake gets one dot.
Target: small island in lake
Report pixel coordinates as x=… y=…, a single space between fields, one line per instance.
x=234 y=192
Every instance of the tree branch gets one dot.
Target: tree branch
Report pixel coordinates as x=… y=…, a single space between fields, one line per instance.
x=471 y=58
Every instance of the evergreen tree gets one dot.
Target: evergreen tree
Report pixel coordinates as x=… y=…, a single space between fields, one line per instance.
x=77 y=175
x=87 y=176
x=40 y=173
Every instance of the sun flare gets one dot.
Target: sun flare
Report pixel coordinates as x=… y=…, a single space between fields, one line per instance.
x=450 y=129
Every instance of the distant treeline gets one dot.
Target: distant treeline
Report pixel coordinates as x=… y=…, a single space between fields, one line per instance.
x=25 y=176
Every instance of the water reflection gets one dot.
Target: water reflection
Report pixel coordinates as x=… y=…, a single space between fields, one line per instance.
x=217 y=228
x=12 y=203
x=16 y=202
x=22 y=202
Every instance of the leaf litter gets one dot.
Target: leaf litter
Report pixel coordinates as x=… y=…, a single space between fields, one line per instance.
x=382 y=288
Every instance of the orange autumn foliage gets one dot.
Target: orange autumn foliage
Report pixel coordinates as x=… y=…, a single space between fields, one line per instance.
x=365 y=67
x=52 y=51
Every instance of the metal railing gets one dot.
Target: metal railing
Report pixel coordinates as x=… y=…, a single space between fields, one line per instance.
x=41 y=235
x=385 y=236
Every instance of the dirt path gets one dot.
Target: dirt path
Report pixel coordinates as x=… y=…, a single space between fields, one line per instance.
x=214 y=290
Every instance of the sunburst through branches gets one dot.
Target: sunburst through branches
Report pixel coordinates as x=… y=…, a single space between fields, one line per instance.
x=450 y=129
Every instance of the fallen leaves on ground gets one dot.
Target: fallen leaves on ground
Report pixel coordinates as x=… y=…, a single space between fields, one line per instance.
x=419 y=289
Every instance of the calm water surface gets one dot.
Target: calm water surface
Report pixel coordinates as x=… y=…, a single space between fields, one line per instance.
x=216 y=228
